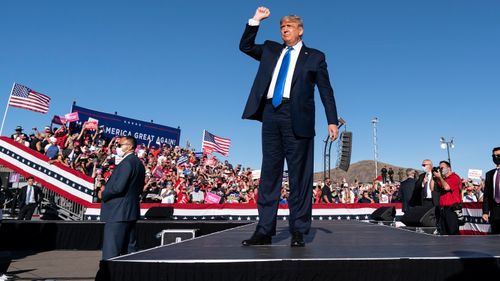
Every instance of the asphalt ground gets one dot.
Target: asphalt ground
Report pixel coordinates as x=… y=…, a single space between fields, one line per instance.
x=54 y=265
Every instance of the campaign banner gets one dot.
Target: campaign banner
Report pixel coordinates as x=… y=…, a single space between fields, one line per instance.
x=183 y=159
x=475 y=174
x=90 y=125
x=211 y=198
x=71 y=117
x=116 y=125
x=96 y=121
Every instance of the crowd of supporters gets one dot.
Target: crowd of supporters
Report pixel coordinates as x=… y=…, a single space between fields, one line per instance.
x=173 y=174
x=179 y=175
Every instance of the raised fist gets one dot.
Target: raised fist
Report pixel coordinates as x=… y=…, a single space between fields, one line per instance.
x=261 y=13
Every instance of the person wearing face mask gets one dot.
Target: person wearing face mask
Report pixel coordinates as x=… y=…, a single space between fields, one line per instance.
x=120 y=201
x=197 y=196
x=491 y=197
x=425 y=193
x=448 y=184
x=117 y=156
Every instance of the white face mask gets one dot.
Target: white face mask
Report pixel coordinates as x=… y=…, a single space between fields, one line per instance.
x=119 y=152
x=445 y=171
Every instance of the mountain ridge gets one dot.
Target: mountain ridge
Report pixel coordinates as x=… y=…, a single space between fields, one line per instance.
x=364 y=171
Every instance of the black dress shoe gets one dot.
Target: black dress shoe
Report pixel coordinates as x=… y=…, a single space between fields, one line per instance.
x=257 y=239
x=297 y=240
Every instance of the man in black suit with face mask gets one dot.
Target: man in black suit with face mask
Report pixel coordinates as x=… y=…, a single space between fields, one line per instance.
x=425 y=193
x=491 y=197
x=120 y=202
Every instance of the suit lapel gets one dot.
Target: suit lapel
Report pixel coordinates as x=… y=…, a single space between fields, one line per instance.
x=272 y=65
x=301 y=61
x=277 y=53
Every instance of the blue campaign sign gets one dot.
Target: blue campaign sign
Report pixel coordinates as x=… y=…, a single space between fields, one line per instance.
x=116 y=125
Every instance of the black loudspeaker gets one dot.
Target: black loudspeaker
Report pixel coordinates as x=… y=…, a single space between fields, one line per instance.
x=49 y=212
x=345 y=150
x=159 y=213
x=420 y=216
x=384 y=214
x=50 y=215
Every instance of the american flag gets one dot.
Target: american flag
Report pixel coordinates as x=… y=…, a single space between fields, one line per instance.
x=213 y=143
x=24 y=97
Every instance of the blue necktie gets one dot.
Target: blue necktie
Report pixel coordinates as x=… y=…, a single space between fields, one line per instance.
x=280 y=82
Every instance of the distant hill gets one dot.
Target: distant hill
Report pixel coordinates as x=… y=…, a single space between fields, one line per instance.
x=363 y=170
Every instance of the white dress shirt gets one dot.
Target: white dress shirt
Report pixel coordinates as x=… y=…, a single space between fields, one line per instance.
x=294 y=55
x=427 y=186
x=30 y=194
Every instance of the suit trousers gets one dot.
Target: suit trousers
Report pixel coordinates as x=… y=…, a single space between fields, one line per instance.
x=119 y=239
x=495 y=218
x=447 y=221
x=495 y=226
x=280 y=143
x=427 y=202
x=26 y=212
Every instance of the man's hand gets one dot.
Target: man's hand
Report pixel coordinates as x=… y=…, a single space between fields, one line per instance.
x=333 y=131
x=486 y=217
x=425 y=180
x=261 y=13
x=99 y=194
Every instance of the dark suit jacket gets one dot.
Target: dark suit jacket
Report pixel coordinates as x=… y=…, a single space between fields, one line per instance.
x=22 y=195
x=120 y=198
x=310 y=70
x=489 y=203
x=418 y=193
x=406 y=192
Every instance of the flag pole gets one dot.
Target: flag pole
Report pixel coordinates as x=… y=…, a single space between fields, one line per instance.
x=202 y=138
x=7 y=108
x=70 y=111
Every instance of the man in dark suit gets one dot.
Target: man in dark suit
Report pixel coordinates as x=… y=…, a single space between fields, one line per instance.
x=120 y=201
x=282 y=98
x=406 y=189
x=491 y=197
x=30 y=197
x=425 y=193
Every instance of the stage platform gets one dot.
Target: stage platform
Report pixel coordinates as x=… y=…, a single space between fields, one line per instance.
x=87 y=235
x=335 y=250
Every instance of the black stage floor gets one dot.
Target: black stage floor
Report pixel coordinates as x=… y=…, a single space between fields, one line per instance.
x=335 y=250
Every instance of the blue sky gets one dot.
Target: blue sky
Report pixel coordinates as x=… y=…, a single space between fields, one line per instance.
x=426 y=69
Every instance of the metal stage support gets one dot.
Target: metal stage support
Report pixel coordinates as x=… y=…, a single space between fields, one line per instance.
x=327 y=151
